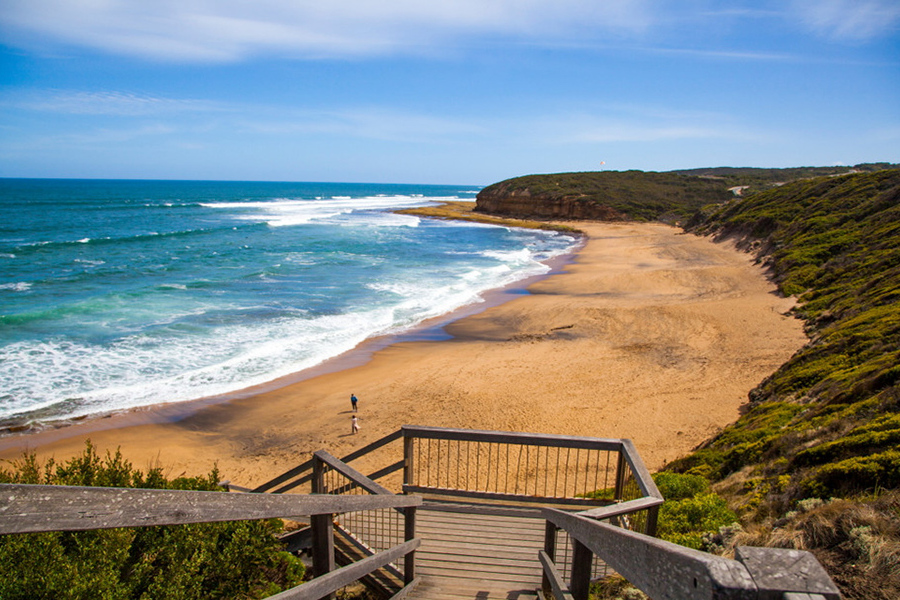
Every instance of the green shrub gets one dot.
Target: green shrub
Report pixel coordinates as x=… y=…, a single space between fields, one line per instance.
x=241 y=559
x=686 y=521
x=690 y=509
x=855 y=474
x=675 y=486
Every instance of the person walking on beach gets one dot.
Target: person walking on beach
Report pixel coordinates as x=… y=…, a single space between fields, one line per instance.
x=353 y=401
x=354 y=425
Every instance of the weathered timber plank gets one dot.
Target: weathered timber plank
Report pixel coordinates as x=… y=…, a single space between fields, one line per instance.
x=331 y=582
x=438 y=530
x=351 y=473
x=479 y=495
x=508 y=437
x=433 y=587
x=470 y=508
x=502 y=580
x=33 y=508
x=470 y=545
x=641 y=473
x=479 y=565
x=407 y=590
x=484 y=553
x=557 y=585
x=614 y=510
x=307 y=466
x=660 y=569
x=462 y=517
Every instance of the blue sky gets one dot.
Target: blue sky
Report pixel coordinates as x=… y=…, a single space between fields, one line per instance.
x=447 y=91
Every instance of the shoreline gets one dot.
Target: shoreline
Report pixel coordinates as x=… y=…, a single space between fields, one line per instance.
x=644 y=333
x=433 y=329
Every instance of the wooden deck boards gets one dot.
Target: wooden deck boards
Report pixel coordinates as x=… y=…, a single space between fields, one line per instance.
x=468 y=555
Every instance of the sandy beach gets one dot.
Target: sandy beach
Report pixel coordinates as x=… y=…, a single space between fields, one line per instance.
x=648 y=334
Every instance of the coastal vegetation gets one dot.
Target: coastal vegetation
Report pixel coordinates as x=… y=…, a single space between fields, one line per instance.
x=815 y=460
x=211 y=560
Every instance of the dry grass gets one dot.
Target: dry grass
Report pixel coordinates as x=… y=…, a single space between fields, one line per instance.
x=858 y=542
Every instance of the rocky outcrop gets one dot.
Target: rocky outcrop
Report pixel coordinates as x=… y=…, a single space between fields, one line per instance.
x=523 y=203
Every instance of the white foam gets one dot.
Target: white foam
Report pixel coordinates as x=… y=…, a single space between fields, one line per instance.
x=20 y=286
x=287 y=212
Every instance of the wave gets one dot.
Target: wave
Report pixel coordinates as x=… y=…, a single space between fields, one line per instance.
x=283 y=212
x=140 y=237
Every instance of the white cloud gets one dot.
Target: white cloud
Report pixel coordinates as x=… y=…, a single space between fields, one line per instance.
x=197 y=30
x=849 y=19
x=100 y=103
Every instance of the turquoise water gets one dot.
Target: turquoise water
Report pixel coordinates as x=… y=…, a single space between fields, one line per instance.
x=119 y=294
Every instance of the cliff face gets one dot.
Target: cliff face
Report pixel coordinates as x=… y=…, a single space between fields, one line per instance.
x=502 y=200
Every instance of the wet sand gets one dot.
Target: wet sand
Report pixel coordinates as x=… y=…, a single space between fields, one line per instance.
x=648 y=334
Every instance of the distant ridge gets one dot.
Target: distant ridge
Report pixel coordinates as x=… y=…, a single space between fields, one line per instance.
x=671 y=196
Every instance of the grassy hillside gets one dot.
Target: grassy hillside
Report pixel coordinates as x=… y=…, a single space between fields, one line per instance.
x=650 y=196
x=815 y=460
x=640 y=196
x=756 y=179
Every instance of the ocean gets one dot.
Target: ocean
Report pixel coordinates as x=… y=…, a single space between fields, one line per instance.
x=122 y=294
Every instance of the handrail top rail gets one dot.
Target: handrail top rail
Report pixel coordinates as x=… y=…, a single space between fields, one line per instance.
x=667 y=570
x=512 y=437
x=30 y=508
x=352 y=474
x=323 y=585
x=619 y=509
x=641 y=473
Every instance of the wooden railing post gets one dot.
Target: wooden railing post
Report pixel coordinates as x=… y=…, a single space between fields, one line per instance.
x=580 y=578
x=409 y=533
x=408 y=464
x=652 y=520
x=620 y=475
x=550 y=548
x=322 y=527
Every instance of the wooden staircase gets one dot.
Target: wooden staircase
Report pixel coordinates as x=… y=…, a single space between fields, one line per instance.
x=465 y=555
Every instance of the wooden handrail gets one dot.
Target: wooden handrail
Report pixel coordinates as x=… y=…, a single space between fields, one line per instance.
x=305 y=468
x=331 y=582
x=557 y=586
x=641 y=473
x=508 y=437
x=33 y=508
x=351 y=473
x=622 y=508
x=665 y=570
